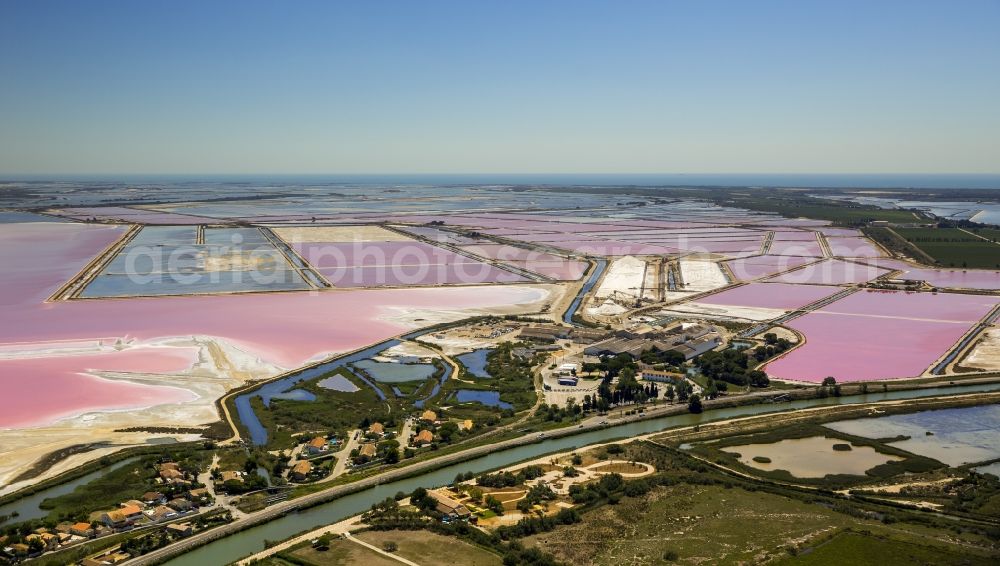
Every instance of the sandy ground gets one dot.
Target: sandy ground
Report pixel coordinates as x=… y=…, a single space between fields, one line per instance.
x=986 y=353
x=304 y=234
x=466 y=338
x=405 y=349
x=607 y=308
x=701 y=276
x=531 y=298
x=625 y=275
x=755 y=314
x=780 y=332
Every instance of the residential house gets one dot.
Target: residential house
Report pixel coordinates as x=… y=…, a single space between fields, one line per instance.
x=132 y=511
x=423 y=437
x=153 y=498
x=449 y=507
x=180 y=505
x=82 y=530
x=301 y=470
x=465 y=425
x=179 y=529
x=367 y=450
x=376 y=429
x=318 y=445
x=171 y=476
x=114 y=519
x=231 y=476
x=429 y=416
x=200 y=495
x=20 y=549
x=161 y=513
x=48 y=541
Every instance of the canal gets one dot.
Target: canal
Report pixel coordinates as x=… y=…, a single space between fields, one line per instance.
x=28 y=507
x=599 y=267
x=249 y=541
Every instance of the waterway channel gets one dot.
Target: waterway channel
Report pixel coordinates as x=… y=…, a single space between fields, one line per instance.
x=244 y=543
x=28 y=507
x=599 y=267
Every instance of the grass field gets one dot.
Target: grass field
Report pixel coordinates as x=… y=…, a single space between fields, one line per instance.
x=860 y=549
x=952 y=247
x=427 y=548
x=341 y=553
x=710 y=524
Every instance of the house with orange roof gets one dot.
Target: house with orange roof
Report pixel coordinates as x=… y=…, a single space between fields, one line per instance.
x=423 y=437
x=317 y=445
x=81 y=530
x=376 y=429
x=428 y=416
x=301 y=470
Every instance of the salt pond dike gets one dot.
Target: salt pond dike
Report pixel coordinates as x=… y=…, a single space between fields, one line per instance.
x=231 y=542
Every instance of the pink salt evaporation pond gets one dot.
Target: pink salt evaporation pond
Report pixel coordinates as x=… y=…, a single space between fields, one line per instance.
x=890 y=334
x=831 y=272
x=770 y=295
x=756 y=267
x=853 y=247
x=38 y=258
x=42 y=390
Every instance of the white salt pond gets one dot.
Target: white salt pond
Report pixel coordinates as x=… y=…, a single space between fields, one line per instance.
x=957 y=436
x=812 y=457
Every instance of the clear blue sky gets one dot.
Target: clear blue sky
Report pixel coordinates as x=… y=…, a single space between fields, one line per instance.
x=473 y=86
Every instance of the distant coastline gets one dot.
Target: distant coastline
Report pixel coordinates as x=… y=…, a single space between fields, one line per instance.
x=778 y=180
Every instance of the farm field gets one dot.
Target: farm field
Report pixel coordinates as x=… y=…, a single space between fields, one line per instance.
x=952 y=247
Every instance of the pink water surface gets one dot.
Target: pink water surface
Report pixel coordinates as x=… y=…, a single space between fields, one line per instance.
x=40 y=390
x=860 y=348
x=799 y=248
x=38 y=258
x=757 y=267
x=831 y=272
x=853 y=247
x=287 y=329
x=770 y=295
x=879 y=335
x=947 y=278
x=962 y=279
x=916 y=306
x=794 y=236
x=566 y=270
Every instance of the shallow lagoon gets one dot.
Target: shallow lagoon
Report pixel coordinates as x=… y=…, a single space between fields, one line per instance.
x=475 y=362
x=959 y=436
x=488 y=398
x=391 y=372
x=812 y=457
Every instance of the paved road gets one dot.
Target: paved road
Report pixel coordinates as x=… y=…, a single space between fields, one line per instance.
x=344 y=456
